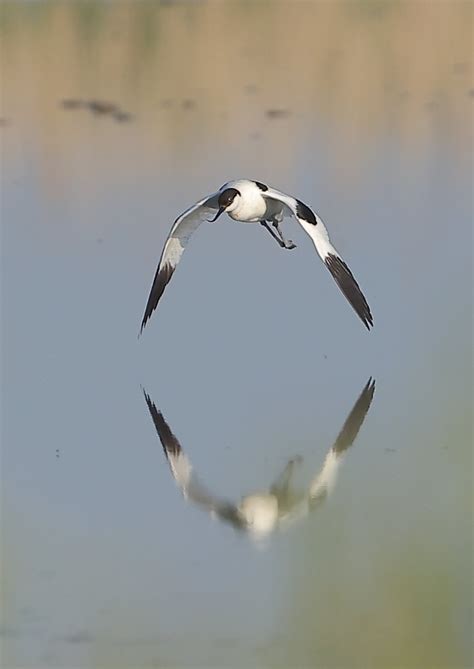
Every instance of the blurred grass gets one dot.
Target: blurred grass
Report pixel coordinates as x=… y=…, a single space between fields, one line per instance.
x=362 y=65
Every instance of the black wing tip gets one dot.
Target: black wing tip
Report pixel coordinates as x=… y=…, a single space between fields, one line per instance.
x=369 y=386
x=368 y=391
x=150 y=308
x=369 y=322
x=366 y=396
x=355 y=419
x=349 y=286
x=161 y=280
x=169 y=442
x=150 y=404
x=142 y=326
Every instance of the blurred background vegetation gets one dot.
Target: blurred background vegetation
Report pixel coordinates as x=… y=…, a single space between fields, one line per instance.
x=374 y=68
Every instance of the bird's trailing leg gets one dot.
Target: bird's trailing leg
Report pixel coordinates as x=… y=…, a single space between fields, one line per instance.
x=287 y=242
x=284 y=243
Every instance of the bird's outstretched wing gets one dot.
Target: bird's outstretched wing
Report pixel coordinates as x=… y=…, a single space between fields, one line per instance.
x=179 y=235
x=323 y=483
x=315 y=228
x=182 y=471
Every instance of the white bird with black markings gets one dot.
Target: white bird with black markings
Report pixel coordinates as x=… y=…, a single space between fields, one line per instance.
x=249 y=201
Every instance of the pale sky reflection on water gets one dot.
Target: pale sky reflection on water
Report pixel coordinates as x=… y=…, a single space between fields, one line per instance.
x=253 y=355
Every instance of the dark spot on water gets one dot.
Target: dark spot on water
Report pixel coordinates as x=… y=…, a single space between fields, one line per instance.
x=79 y=637
x=403 y=96
x=71 y=103
x=431 y=105
x=251 y=89
x=277 y=113
x=101 y=107
x=460 y=68
x=122 y=117
x=188 y=104
x=304 y=212
x=261 y=186
x=8 y=632
x=471 y=92
x=98 y=108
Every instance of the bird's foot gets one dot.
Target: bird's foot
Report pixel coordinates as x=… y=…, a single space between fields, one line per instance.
x=289 y=245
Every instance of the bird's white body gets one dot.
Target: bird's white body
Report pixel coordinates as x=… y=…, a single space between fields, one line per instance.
x=251 y=207
x=248 y=201
x=259 y=512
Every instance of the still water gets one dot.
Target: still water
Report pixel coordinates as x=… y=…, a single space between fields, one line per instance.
x=115 y=118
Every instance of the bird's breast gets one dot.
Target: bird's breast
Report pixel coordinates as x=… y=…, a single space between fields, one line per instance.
x=249 y=210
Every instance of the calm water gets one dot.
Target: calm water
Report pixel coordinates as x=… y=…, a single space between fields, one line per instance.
x=363 y=111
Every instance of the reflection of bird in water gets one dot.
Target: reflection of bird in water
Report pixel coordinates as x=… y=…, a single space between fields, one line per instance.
x=262 y=512
x=250 y=201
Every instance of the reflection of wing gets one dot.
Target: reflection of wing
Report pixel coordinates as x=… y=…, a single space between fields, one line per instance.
x=323 y=483
x=182 y=229
x=354 y=421
x=182 y=471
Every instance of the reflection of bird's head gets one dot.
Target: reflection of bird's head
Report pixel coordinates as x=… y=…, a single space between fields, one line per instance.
x=259 y=512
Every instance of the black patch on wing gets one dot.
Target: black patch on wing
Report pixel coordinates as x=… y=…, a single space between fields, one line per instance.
x=170 y=444
x=349 y=286
x=261 y=186
x=304 y=212
x=354 y=421
x=162 y=277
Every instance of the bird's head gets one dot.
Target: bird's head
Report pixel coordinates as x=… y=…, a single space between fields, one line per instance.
x=227 y=201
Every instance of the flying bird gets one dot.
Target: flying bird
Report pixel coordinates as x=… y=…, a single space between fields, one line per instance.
x=249 y=201
x=278 y=506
